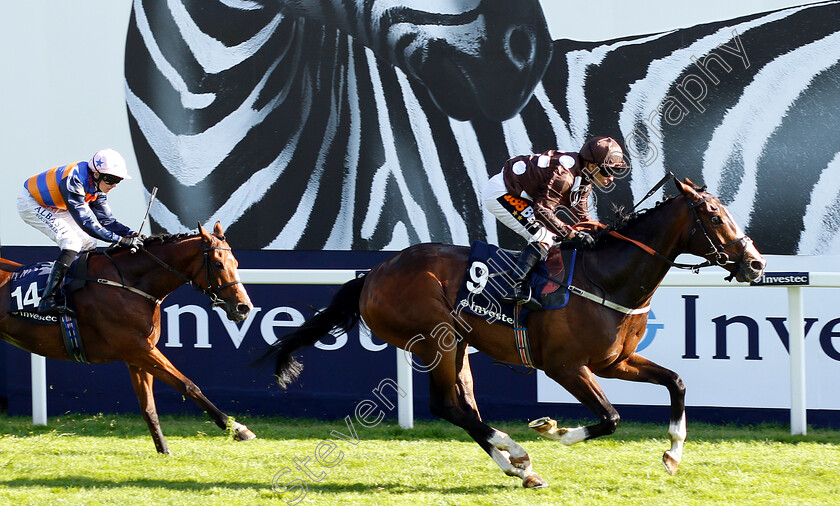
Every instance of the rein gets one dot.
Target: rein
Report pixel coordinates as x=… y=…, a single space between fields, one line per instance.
x=210 y=291
x=647 y=249
x=141 y=293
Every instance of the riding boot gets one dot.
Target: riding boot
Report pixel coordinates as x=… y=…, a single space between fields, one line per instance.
x=520 y=291
x=48 y=304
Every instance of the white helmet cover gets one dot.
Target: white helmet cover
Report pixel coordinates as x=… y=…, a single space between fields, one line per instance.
x=108 y=161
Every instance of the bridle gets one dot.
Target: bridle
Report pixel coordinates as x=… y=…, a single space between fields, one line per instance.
x=211 y=291
x=717 y=250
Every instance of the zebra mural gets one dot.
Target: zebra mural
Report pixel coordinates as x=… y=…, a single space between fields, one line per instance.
x=373 y=124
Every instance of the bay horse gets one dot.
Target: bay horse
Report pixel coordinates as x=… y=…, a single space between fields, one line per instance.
x=409 y=301
x=118 y=312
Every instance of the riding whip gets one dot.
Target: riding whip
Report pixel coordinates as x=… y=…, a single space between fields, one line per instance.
x=151 y=199
x=653 y=190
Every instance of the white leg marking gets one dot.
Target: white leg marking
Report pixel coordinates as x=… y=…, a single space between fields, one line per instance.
x=573 y=436
x=502 y=459
x=513 y=459
x=548 y=428
x=241 y=432
x=504 y=442
x=677 y=432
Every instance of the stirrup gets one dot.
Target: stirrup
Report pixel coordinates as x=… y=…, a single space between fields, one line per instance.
x=522 y=299
x=48 y=306
x=531 y=303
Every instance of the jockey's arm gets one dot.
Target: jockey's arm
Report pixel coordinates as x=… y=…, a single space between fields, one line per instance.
x=580 y=211
x=103 y=214
x=546 y=216
x=81 y=213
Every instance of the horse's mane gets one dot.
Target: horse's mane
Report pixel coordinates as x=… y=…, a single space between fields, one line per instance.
x=161 y=238
x=625 y=219
x=167 y=238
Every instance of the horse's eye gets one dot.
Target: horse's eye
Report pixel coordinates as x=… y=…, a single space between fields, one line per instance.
x=715 y=220
x=219 y=264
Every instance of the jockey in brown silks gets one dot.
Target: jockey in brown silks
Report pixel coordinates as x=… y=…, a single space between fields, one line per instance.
x=531 y=190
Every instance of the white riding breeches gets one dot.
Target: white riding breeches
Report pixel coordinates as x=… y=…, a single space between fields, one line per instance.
x=57 y=224
x=493 y=191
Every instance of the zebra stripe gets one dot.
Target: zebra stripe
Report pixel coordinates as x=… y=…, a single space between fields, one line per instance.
x=298 y=134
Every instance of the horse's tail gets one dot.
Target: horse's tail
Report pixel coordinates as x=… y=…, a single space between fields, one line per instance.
x=342 y=315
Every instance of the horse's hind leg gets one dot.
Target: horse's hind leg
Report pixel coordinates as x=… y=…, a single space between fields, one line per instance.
x=142 y=382
x=158 y=365
x=581 y=383
x=638 y=368
x=452 y=398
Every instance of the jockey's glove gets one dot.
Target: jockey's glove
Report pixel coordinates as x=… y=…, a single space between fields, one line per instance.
x=134 y=244
x=582 y=240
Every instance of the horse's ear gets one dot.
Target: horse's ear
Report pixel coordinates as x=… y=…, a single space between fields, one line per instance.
x=204 y=233
x=693 y=184
x=217 y=229
x=687 y=188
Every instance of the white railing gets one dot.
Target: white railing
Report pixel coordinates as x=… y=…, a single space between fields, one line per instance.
x=798 y=417
x=796 y=320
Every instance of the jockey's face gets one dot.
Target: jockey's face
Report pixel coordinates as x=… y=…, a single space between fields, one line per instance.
x=105 y=182
x=597 y=177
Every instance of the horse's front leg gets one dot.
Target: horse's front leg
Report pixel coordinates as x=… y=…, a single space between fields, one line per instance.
x=163 y=369
x=581 y=383
x=142 y=383
x=638 y=368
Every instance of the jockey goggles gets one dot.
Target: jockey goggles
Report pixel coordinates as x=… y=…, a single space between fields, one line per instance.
x=110 y=179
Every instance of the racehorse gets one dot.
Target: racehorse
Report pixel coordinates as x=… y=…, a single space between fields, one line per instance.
x=409 y=301
x=118 y=312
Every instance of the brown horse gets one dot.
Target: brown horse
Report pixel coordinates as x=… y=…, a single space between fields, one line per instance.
x=409 y=301
x=118 y=311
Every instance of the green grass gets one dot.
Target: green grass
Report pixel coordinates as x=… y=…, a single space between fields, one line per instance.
x=110 y=459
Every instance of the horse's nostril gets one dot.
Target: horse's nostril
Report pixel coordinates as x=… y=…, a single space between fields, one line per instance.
x=757 y=265
x=520 y=45
x=243 y=309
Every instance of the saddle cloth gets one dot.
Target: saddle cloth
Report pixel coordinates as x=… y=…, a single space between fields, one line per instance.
x=488 y=277
x=27 y=284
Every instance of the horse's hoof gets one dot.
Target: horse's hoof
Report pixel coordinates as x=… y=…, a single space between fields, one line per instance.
x=539 y=422
x=534 y=481
x=671 y=464
x=243 y=433
x=548 y=428
x=544 y=425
